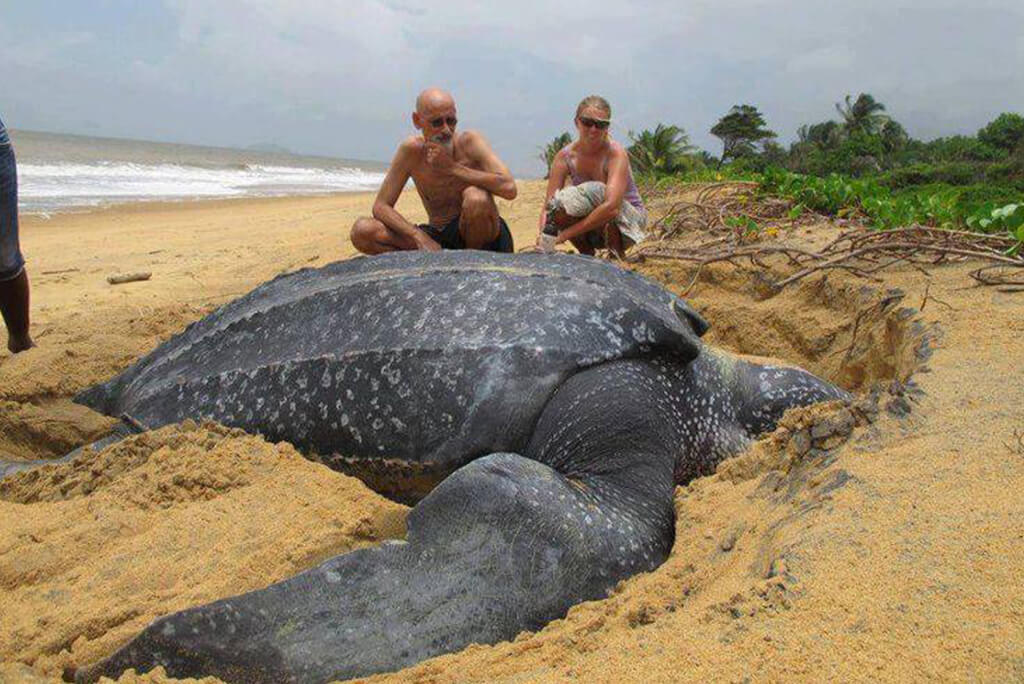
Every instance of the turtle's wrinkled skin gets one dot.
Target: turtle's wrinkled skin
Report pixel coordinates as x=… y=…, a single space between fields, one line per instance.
x=557 y=399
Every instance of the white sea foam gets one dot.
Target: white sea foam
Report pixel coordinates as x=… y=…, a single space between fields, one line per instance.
x=60 y=186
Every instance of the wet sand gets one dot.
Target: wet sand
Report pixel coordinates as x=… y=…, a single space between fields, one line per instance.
x=880 y=543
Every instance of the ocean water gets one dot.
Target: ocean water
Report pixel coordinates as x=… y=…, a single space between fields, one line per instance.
x=71 y=172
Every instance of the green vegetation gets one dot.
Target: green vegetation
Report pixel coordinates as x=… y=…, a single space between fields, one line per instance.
x=548 y=152
x=741 y=131
x=864 y=164
x=864 y=116
x=1006 y=132
x=940 y=206
x=993 y=219
x=839 y=196
x=665 y=150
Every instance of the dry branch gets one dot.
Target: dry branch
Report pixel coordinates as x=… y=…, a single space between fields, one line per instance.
x=119 y=278
x=862 y=252
x=1009 y=278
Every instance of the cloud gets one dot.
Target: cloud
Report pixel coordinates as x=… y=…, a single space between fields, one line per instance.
x=339 y=77
x=828 y=58
x=56 y=51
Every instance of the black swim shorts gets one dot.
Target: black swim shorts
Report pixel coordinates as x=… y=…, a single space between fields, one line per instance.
x=450 y=238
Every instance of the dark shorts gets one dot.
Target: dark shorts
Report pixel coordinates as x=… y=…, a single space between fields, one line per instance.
x=450 y=238
x=11 y=261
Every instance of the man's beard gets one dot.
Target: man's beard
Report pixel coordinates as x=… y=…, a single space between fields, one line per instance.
x=447 y=141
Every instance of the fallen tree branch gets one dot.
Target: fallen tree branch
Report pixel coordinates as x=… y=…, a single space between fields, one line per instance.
x=119 y=278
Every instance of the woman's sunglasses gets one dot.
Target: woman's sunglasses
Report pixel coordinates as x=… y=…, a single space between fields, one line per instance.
x=441 y=120
x=599 y=124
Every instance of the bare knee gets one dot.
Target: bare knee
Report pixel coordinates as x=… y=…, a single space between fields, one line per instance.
x=477 y=202
x=368 y=235
x=479 y=219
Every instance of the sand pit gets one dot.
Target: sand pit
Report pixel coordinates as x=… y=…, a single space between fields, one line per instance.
x=881 y=541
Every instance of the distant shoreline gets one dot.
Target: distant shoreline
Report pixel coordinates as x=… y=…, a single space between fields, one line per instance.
x=140 y=206
x=371 y=164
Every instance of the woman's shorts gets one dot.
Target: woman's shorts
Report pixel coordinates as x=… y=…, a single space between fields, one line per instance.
x=579 y=200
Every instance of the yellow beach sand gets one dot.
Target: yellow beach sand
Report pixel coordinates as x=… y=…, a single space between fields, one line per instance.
x=896 y=555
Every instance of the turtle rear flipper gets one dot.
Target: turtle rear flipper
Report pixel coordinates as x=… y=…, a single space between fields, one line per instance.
x=503 y=545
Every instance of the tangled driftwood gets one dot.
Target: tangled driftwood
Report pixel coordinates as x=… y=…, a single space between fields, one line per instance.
x=714 y=204
x=1005 y=278
x=863 y=252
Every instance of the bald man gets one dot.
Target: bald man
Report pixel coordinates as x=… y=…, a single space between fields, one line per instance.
x=457 y=176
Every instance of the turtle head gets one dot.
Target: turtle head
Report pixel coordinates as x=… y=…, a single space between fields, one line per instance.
x=765 y=389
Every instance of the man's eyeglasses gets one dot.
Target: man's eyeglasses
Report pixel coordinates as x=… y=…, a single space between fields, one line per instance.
x=442 y=120
x=599 y=124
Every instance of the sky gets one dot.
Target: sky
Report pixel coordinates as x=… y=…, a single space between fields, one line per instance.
x=339 y=77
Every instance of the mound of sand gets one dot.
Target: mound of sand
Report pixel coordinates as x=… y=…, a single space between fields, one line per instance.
x=93 y=550
x=879 y=541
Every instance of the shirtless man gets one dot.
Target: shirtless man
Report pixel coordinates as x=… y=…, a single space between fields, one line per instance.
x=456 y=175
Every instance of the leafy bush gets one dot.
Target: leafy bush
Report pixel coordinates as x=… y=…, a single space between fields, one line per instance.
x=1010 y=172
x=939 y=205
x=974 y=197
x=996 y=219
x=961 y=148
x=955 y=173
x=856 y=154
x=1006 y=131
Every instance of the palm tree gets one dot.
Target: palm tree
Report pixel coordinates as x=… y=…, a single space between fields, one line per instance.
x=893 y=135
x=661 y=151
x=825 y=134
x=548 y=152
x=863 y=115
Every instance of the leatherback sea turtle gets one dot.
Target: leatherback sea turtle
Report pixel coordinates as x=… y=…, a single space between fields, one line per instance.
x=558 y=399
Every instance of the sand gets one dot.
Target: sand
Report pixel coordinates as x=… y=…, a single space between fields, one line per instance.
x=883 y=541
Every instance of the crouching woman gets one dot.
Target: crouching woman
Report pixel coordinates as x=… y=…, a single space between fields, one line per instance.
x=601 y=207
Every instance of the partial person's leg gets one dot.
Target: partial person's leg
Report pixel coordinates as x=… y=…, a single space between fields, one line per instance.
x=582 y=245
x=14 y=305
x=14 y=291
x=614 y=240
x=578 y=201
x=370 y=236
x=478 y=222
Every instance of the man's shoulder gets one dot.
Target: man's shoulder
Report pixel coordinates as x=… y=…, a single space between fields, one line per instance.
x=411 y=144
x=410 y=152
x=471 y=137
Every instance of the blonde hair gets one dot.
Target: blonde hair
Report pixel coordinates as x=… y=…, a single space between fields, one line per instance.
x=595 y=101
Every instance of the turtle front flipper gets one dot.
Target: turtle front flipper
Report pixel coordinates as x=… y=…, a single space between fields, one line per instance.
x=505 y=544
